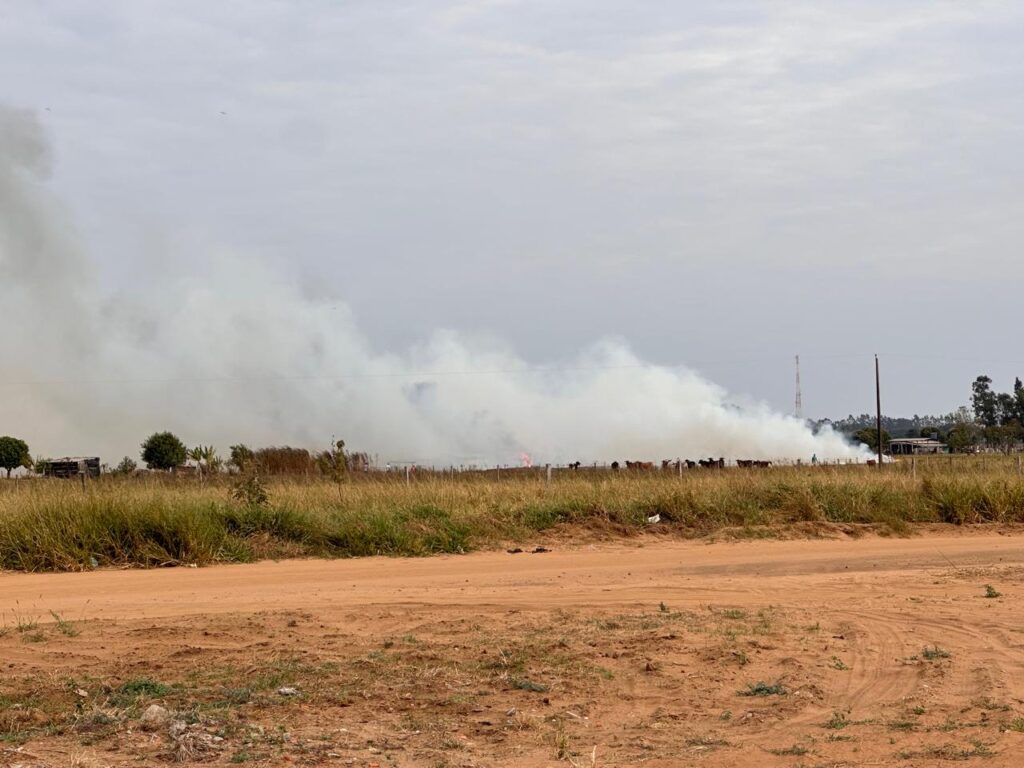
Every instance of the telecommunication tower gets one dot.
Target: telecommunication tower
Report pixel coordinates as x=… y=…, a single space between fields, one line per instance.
x=799 y=406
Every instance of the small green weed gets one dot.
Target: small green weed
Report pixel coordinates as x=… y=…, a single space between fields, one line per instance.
x=838 y=721
x=64 y=626
x=796 y=751
x=902 y=725
x=144 y=687
x=761 y=688
x=949 y=752
x=529 y=685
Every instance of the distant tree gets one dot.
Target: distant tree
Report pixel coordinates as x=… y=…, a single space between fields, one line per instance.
x=163 y=450
x=1006 y=408
x=214 y=463
x=869 y=436
x=962 y=415
x=242 y=456
x=13 y=454
x=932 y=432
x=895 y=426
x=126 y=467
x=206 y=456
x=963 y=437
x=985 y=402
x=1004 y=437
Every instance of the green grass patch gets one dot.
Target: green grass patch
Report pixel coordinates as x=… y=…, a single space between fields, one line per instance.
x=761 y=688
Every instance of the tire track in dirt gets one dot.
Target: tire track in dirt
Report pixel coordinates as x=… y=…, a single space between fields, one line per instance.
x=875 y=649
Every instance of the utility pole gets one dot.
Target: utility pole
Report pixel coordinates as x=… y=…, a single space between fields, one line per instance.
x=878 y=410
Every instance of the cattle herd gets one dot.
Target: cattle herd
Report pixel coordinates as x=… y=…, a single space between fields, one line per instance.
x=678 y=464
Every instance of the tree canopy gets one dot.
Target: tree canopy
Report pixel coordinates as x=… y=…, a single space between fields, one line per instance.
x=963 y=437
x=163 y=450
x=242 y=456
x=997 y=409
x=869 y=436
x=13 y=454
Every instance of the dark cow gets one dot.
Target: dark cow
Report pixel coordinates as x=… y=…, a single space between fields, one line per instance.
x=752 y=463
x=615 y=466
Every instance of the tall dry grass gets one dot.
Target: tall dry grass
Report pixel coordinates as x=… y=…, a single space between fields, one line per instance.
x=152 y=521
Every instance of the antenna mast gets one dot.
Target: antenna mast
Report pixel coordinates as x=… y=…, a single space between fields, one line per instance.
x=799 y=405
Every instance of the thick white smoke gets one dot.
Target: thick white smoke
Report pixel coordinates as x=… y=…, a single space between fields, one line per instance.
x=238 y=354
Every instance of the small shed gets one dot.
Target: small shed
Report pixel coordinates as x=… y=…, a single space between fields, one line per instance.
x=72 y=466
x=910 y=446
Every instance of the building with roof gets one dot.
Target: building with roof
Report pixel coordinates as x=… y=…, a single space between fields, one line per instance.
x=910 y=446
x=72 y=466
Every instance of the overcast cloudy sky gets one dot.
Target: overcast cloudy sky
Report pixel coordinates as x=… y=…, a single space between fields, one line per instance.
x=721 y=184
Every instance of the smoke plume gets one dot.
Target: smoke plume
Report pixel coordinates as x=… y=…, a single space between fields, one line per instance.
x=237 y=353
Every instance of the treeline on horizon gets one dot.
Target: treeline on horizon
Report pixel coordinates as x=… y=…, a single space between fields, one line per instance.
x=164 y=451
x=994 y=420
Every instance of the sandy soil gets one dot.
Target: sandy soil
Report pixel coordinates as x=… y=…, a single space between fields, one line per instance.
x=872 y=652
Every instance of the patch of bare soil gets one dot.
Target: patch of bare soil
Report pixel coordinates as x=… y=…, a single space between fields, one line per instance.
x=838 y=652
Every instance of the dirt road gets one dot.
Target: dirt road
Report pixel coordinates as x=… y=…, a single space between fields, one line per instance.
x=870 y=652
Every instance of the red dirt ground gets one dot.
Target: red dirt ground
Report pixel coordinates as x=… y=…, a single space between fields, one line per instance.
x=885 y=651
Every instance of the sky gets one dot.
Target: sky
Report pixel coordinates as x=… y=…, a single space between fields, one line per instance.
x=711 y=185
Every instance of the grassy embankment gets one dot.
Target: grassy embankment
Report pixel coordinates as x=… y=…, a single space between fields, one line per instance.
x=146 y=521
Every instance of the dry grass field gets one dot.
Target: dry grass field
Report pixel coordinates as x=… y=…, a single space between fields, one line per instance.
x=785 y=617
x=156 y=520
